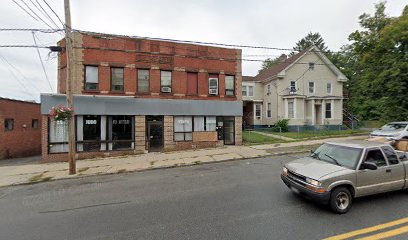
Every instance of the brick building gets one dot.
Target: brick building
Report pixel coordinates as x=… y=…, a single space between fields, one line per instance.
x=20 y=128
x=133 y=95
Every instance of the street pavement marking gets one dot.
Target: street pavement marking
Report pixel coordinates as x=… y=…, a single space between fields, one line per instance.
x=387 y=234
x=371 y=229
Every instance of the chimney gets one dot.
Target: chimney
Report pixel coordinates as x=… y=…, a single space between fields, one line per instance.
x=282 y=58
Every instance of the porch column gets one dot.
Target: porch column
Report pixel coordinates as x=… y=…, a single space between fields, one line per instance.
x=313 y=112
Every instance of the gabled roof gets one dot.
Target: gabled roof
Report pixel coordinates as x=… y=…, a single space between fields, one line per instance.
x=275 y=70
x=248 y=79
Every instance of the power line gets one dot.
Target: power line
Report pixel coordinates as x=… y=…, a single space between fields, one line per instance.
x=43 y=12
x=25 y=10
x=42 y=63
x=23 y=46
x=42 y=20
x=63 y=24
x=32 y=30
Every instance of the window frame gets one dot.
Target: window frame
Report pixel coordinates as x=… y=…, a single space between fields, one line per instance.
x=382 y=154
x=35 y=123
x=385 y=149
x=251 y=95
x=314 y=87
x=171 y=82
x=311 y=66
x=85 y=82
x=6 y=120
x=331 y=88
x=291 y=116
x=183 y=132
x=328 y=110
x=256 y=111
x=233 y=86
x=111 y=79
x=148 y=81
x=269 y=110
x=293 y=88
x=212 y=76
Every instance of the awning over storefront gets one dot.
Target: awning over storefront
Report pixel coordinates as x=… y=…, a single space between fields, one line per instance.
x=123 y=105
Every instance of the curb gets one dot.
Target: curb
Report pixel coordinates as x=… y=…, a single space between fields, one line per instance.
x=160 y=168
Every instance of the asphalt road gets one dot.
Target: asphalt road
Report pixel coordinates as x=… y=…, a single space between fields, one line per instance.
x=232 y=200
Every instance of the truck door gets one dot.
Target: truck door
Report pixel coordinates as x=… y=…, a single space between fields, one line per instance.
x=373 y=181
x=395 y=168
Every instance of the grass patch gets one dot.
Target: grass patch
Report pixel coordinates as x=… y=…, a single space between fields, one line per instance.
x=198 y=162
x=253 y=138
x=121 y=171
x=36 y=178
x=318 y=133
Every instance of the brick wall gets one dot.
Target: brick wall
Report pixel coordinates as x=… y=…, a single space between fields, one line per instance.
x=23 y=140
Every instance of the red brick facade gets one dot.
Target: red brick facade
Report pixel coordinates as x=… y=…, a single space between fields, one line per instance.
x=24 y=138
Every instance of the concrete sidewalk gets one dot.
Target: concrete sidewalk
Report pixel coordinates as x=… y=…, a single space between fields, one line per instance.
x=31 y=173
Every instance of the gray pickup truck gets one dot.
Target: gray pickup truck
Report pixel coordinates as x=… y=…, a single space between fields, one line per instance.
x=337 y=172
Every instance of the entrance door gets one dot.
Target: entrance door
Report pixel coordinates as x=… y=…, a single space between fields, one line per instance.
x=155 y=136
x=229 y=131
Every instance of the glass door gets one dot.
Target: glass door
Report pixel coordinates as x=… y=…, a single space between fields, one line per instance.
x=229 y=131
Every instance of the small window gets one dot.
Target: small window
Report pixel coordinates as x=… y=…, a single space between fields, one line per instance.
x=291 y=110
x=91 y=78
x=258 y=111
x=268 y=89
x=165 y=81
x=213 y=85
x=311 y=66
x=9 y=124
x=328 y=110
x=376 y=156
x=269 y=110
x=143 y=81
x=229 y=86
x=250 y=91
x=244 y=91
x=117 y=79
x=311 y=87
x=329 y=88
x=34 y=123
x=292 y=87
x=183 y=128
x=390 y=154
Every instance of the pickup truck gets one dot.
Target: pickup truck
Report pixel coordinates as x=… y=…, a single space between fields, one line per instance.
x=337 y=172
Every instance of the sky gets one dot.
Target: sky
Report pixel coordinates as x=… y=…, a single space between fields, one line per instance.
x=274 y=23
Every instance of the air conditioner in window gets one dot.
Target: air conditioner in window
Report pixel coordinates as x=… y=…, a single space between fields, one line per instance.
x=165 y=89
x=213 y=91
x=213 y=86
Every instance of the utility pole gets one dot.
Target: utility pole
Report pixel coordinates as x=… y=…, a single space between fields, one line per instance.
x=70 y=64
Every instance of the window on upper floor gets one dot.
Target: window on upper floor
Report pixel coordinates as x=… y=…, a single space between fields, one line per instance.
x=268 y=89
x=292 y=87
x=250 y=91
x=8 y=124
x=311 y=87
x=165 y=81
x=91 y=78
x=213 y=84
x=229 y=85
x=244 y=91
x=117 y=79
x=329 y=88
x=311 y=66
x=143 y=81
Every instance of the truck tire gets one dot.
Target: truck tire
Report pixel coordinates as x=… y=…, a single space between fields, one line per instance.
x=340 y=200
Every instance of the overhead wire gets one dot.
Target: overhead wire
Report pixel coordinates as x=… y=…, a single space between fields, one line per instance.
x=40 y=18
x=44 y=13
x=42 y=63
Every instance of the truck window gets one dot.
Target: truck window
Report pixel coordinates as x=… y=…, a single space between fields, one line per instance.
x=376 y=156
x=391 y=155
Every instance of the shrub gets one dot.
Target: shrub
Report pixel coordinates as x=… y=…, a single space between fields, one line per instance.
x=283 y=125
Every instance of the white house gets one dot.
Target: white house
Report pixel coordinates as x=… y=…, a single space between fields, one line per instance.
x=306 y=88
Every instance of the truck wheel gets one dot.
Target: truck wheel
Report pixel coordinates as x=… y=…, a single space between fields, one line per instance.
x=340 y=200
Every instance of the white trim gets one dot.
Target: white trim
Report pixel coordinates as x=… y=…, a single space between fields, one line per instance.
x=260 y=117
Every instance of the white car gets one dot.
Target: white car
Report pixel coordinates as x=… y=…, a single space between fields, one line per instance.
x=392 y=131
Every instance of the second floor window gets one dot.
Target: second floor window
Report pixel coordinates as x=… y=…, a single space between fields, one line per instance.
x=9 y=124
x=311 y=87
x=91 y=78
x=311 y=66
x=117 y=79
x=34 y=123
x=292 y=87
x=165 y=81
x=143 y=79
x=248 y=91
x=229 y=86
x=329 y=88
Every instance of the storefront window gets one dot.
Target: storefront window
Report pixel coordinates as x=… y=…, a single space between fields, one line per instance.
x=92 y=133
x=183 y=127
x=58 y=136
x=121 y=132
x=207 y=124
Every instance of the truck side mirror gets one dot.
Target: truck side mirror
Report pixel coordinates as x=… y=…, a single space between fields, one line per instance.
x=368 y=165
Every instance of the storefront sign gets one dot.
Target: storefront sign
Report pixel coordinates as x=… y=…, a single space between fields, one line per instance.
x=181 y=121
x=121 y=122
x=90 y=122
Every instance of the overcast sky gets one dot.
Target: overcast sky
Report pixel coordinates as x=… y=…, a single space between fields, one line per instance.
x=277 y=23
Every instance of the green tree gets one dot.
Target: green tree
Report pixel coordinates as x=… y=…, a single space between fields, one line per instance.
x=378 y=66
x=269 y=62
x=309 y=40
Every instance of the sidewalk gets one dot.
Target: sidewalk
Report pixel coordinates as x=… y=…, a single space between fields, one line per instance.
x=31 y=173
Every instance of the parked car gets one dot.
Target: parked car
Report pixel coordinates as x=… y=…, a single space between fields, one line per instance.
x=338 y=172
x=392 y=131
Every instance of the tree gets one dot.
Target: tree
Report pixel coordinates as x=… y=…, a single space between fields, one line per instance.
x=269 y=62
x=308 y=41
x=378 y=71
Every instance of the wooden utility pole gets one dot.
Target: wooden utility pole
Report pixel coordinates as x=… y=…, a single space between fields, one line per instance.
x=70 y=64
